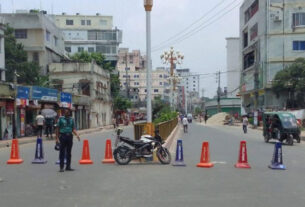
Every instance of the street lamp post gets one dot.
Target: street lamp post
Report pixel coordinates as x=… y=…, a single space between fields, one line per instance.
x=148 y=6
x=172 y=57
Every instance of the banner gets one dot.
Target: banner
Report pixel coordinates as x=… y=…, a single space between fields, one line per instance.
x=66 y=100
x=45 y=94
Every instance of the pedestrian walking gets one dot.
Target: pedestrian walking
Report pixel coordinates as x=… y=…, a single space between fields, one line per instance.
x=245 y=123
x=185 y=123
x=49 y=127
x=205 y=118
x=64 y=135
x=39 y=122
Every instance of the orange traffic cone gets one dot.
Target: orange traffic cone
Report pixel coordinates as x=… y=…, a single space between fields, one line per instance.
x=15 y=159
x=108 y=153
x=205 y=156
x=243 y=158
x=86 y=154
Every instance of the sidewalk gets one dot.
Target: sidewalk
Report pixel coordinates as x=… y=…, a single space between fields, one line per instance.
x=26 y=140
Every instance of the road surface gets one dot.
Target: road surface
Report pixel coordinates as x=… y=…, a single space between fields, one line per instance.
x=111 y=185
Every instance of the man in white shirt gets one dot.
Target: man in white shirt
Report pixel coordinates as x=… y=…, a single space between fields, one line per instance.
x=245 y=123
x=185 y=123
x=39 y=123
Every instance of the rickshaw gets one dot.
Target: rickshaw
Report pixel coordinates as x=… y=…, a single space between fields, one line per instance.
x=280 y=126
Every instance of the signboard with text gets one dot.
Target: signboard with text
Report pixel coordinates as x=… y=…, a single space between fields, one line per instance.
x=65 y=100
x=45 y=94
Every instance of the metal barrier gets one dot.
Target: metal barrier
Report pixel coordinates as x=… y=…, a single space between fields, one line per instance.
x=165 y=128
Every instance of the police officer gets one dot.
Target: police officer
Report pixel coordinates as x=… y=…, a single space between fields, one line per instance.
x=65 y=128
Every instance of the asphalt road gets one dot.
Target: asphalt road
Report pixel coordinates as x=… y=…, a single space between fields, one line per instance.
x=101 y=185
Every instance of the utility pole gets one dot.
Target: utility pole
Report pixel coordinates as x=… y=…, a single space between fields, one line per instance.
x=148 y=4
x=15 y=106
x=218 y=92
x=127 y=81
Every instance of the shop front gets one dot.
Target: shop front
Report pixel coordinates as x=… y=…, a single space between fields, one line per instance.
x=82 y=111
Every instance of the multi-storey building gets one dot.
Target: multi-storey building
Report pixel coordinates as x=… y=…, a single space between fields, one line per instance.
x=189 y=80
x=272 y=36
x=187 y=89
x=132 y=73
x=92 y=33
x=89 y=80
x=233 y=67
x=41 y=39
x=2 y=54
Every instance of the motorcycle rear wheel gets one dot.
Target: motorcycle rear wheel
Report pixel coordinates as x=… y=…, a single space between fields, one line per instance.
x=164 y=156
x=122 y=155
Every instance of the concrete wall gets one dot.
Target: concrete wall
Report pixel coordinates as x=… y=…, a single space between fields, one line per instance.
x=97 y=22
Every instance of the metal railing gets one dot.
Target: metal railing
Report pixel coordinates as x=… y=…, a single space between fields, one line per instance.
x=165 y=128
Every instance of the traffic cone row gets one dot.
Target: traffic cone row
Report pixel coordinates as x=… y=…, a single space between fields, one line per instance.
x=242 y=162
x=276 y=162
x=39 y=153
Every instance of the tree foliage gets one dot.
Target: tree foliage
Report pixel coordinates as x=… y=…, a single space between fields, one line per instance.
x=291 y=81
x=16 y=59
x=121 y=103
x=161 y=111
x=97 y=57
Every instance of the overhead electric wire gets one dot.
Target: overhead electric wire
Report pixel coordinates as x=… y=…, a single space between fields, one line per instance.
x=196 y=30
x=195 y=22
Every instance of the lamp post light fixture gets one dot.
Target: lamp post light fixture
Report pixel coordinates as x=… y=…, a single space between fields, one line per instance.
x=173 y=58
x=148 y=4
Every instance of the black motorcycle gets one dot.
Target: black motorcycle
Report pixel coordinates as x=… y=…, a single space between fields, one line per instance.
x=128 y=149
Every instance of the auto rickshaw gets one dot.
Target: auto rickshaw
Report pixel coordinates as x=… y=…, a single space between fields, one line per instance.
x=280 y=126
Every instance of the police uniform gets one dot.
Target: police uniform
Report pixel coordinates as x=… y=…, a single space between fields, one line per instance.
x=65 y=126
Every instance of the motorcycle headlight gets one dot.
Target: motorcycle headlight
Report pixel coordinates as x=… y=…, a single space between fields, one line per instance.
x=153 y=143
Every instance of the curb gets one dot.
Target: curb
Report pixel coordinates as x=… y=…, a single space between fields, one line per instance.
x=27 y=140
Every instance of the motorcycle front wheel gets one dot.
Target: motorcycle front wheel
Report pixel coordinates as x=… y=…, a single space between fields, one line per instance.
x=122 y=155
x=164 y=156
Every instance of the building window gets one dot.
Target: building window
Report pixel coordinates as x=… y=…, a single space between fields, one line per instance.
x=298 y=19
x=88 y=22
x=253 y=32
x=160 y=83
x=90 y=49
x=145 y=90
x=69 y=22
x=249 y=60
x=245 y=38
x=21 y=33
x=36 y=57
x=160 y=76
x=103 y=22
x=0 y=44
x=251 y=11
x=298 y=45
x=68 y=49
x=80 y=49
x=55 y=40
x=48 y=34
x=83 y=22
x=156 y=90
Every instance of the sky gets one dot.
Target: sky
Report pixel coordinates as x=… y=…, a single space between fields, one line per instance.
x=196 y=28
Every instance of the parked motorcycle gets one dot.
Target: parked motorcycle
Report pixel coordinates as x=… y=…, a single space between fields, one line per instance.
x=128 y=149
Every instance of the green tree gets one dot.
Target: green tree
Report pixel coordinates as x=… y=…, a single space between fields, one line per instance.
x=291 y=81
x=87 y=57
x=121 y=103
x=16 y=59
